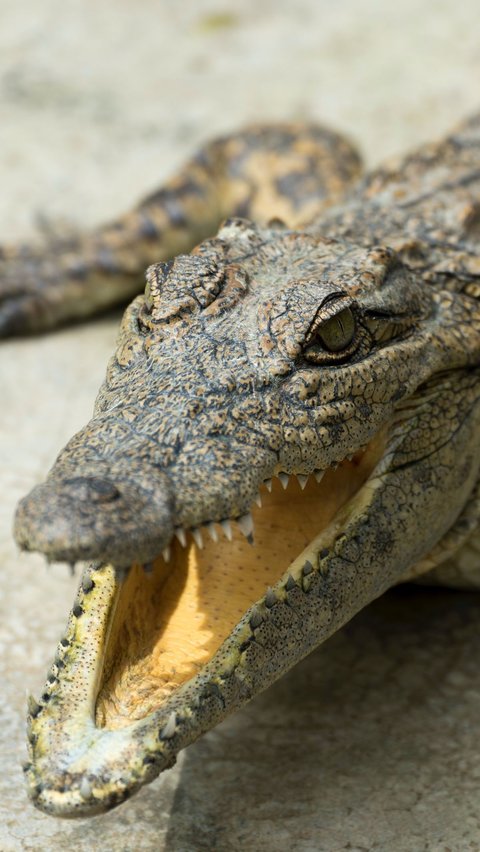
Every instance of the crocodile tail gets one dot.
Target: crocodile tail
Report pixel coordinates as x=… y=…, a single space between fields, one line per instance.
x=286 y=171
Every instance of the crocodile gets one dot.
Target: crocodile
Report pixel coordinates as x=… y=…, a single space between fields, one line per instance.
x=289 y=426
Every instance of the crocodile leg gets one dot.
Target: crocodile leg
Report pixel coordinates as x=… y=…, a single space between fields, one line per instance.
x=288 y=171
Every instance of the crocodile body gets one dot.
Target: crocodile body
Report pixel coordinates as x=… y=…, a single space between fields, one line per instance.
x=345 y=351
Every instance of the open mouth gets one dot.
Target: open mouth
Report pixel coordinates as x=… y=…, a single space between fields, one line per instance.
x=145 y=652
x=171 y=619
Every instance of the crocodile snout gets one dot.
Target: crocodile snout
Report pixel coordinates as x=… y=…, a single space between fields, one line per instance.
x=94 y=517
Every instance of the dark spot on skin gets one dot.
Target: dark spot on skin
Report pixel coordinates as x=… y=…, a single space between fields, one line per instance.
x=149 y=759
x=182 y=190
x=365 y=410
x=201 y=159
x=148 y=229
x=242 y=209
x=175 y=213
x=105 y=260
x=211 y=690
x=171 y=203
x=78 y=270
x=298 y=187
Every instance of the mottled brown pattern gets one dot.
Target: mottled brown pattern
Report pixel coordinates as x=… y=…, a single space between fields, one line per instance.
x=223 y=377
x=287 y=170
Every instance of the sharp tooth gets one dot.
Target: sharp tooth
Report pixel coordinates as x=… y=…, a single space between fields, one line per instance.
x=168 y=729
x=33 y=706
x=268 y=484
x=246 y=525
x=256 y=619
x=85 y=789
x=181 y=535
x=258 y=501
x=197 y=537
x=87 y=584
x=290 y=584
x=284 y=478
x=227 y=529
x=270 y=598
x=319 y=474
x=212 y=532
x=302 y=479
x=166 y=554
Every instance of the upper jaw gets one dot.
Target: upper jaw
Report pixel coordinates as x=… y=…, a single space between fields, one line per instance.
x=126 y=507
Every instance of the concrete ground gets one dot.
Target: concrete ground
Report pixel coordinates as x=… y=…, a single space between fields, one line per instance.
x=372 y=742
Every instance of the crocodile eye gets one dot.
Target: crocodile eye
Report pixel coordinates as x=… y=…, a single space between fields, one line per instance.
x=332 y=337
x=337 y=333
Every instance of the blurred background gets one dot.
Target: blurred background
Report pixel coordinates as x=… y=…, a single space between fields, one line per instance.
x=372 y=743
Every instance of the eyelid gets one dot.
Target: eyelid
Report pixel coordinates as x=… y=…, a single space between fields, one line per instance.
x=333 y=305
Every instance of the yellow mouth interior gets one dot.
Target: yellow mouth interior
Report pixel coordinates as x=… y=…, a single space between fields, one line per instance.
x=169 y=623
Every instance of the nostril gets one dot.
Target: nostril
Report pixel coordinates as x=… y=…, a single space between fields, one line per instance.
x=91 y=489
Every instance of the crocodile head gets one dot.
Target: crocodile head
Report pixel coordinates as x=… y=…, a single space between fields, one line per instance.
x=268 y=366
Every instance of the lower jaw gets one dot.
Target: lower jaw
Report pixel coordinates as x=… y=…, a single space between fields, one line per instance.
x=170 y=622
x=151 y=662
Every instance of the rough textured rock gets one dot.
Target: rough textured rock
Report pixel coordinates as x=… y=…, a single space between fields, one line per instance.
x=371 y=743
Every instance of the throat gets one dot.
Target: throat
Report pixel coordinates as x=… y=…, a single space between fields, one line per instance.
x=170 y=622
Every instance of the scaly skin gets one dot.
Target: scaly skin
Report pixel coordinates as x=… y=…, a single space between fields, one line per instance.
x=266 y=351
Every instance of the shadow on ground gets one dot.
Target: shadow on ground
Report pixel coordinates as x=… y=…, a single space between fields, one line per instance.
x=365 y=745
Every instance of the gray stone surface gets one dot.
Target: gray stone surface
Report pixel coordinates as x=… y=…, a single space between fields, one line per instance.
x=371 y=743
